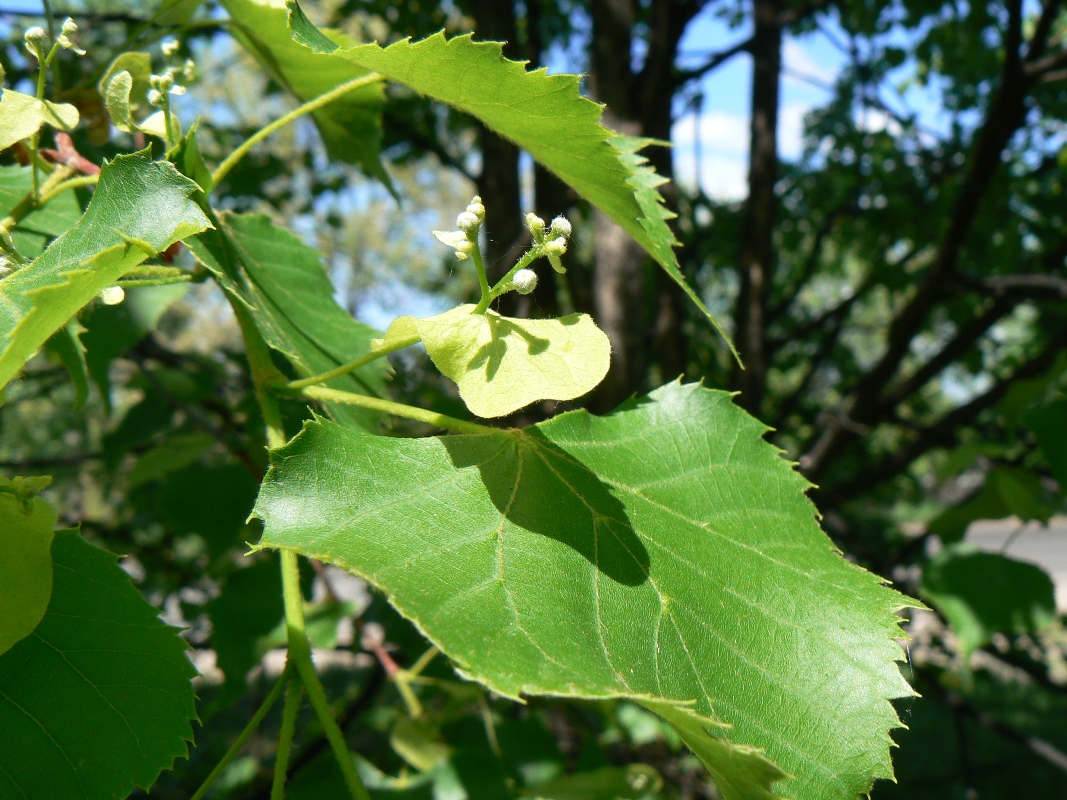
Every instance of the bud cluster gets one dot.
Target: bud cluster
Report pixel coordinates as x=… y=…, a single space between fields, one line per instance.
x=468 y=223
x=36 y=39
x=553 y=241
x=165 y=84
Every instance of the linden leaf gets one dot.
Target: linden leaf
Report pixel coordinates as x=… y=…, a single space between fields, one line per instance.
x=22 y=115
x=665 y=553
x=26 y=529
x=502 y=364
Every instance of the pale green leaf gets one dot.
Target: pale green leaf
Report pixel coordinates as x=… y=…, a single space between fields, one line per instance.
x=350 y=126
x=22 y=115
x=138 y=66
x=140 y=207
x=66 y=345
x=664 y=553
x=26 y=528
x=981 y=593
x=117 y=99
x=544 y=114
x=502 y=364
x=282 y=283
x=98 y=699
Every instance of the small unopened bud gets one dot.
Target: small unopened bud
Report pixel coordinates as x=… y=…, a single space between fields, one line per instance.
x=69 y=26
x=170 y=47
x=556 y=247
x=477 y=208
x=524 y=281
x=36 y=39
x=466 y=247
x=189 y=69
x=161 y=82
x=561 y=226
x=467 y=222
x=536 y=226
x=155 y=97
x=64 y=41
x=457 y=240
x=178 y=90
x=112 y=295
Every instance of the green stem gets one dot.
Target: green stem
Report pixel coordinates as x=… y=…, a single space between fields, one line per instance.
x=344 y=369
x=168 y=121
x=30 y=202
x=244 y=736
x=328 y=395
x=483 y=280
x=285 y=738
x=502 y=285
x=311 y=105
x=300 y=653
x=73 y=183
x=186 y=278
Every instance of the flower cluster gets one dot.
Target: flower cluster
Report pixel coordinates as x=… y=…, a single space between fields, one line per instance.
x=165 y=84
x=468 y=223
x=553 y=242
x=36 y=39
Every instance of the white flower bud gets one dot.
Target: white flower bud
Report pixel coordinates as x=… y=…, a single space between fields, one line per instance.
x=178 y=90
x=524 y=281
x=170 y=47
x=457 y=240
x=477 y=208
x=467 y=222
x=161 y=82
x=35 y=34
x=466 y=247
x=189 y=69
x=561 y=226
x=112 y=295
x=556 y=247
x=536 y=226
x=64 y=41
x=5 y=265
x=155 y=97
x=69 y=26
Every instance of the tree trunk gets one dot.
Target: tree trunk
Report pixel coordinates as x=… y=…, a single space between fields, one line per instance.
x=757 y=253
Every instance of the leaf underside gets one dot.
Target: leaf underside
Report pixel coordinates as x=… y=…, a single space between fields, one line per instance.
x=664 y=553
x=25 y=566
x=281 y=281
x=98 y=699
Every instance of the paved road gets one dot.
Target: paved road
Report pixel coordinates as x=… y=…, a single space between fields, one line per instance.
x=1044 y=546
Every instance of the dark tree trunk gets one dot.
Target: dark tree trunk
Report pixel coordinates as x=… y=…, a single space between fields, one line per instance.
x=757 y=253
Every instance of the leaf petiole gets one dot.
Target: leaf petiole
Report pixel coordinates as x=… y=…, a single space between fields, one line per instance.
x=344 y=369
x=245 y=735
x=223 y=169
x=501 y=286
x=285 y=738
x=396 y=409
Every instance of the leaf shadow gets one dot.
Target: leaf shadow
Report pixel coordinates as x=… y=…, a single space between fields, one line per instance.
x=492 y=353
x=542 y=488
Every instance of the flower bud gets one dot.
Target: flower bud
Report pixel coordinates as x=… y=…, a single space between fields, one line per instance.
x=536 y=226
x=69 y=26
x=36 y=39
x=112 y=295
x=477 y=208
x=561 y=226
x=467 y=222
x=524 y=281
x=170 y=47
x=155 y=97
x=556 y=247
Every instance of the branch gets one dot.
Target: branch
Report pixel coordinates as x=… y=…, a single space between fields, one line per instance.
x=943 y=433
x=717 y=59
x=1024 y=284
x=1042 y=31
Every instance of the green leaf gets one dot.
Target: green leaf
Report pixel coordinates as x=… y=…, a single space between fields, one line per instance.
x=22 y=115
x=502 y=364
x=633 y=782
x=282 y=283
x=38 y=227
x=138 y=66
x=664 y=553
x=140 y=208
x=177 y=452
x=26 y=529
x=111 y=330
x=351 y=127
x=98 y=699
x=1006 y=491
x=544 y=114
x=980 y=593
x=1049 y=424
x=66 y=345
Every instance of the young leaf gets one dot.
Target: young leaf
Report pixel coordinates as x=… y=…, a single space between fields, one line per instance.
x=22 y=115
x=633 y=782
x=544 y=114
x=140 y=208
x=281 y=281
x=502 y=364
x=98 y=699
x=26 y=529
x=351 y=127
x=664 y=553
x=980 y=593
